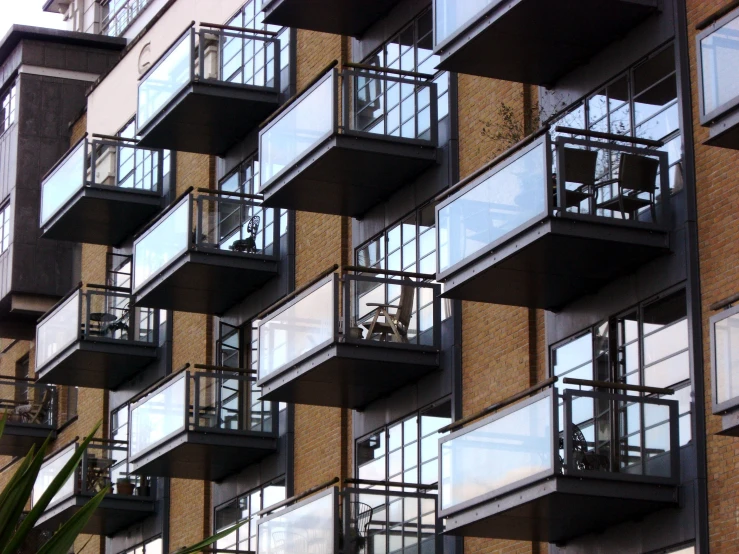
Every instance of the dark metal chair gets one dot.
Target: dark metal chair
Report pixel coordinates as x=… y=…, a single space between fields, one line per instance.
x=579 y=167
x=636 y=186
x=583 y=458
x=249 y=244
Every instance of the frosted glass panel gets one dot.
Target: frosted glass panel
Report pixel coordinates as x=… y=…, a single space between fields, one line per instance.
x=68 y=178
x=719 y=62
x=308 y=529
x=48 y=473
x=298 y=329
x=452 y=15
x=58 y=331
x=162 y=415
x=162 y=244
x=726 y=333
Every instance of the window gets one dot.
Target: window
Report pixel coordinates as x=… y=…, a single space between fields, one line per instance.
x=248 y=62
x=412 y=50
x=153 y=546
x=5 y=227
x=22 y=373
x=137 y=168
x=244 y=539
x=119 y=14
x=8 y=108
x=406 y=451
x=647 y=345
x=118 y=275
x=642 y=102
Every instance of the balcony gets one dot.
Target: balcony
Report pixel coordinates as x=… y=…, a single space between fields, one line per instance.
x=534 y=233
x=209 y=90
x=718 y=56
x=203 y=425
x=103 y=465
x=309 y=353
x=559 y=465
x=725 y=368
x=357 y=519
x=206 y=253
x=519 y=37
x=31 y=415
x=101 y=192
x=349 y=141
x=96 y=338
x=339 y=17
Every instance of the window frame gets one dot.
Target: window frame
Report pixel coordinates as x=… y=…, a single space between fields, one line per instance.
x=709 y=118
x=720 y=408
x=9 y=118
x=6 y=217
x=142 y=545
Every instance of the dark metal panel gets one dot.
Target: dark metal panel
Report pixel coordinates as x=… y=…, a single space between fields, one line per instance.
x=18 y=439
x=114 y=513
x=97 y=364
x=519 y=36
x=204 y=456
x=100 y=215
x=348 y=175
x=206 y=283
x=725 y=132
x=208 y=118
x=349 y=375
x=340 y=17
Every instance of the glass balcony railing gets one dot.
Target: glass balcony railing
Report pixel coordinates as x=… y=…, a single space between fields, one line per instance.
x=382 y=312
x=104 y=464
x=577 y=433
x=120 y=14
x=239 y=58
x=28 y=404
x=210 y=224
x=725 y=360
x=354 y=102
x=583 y=179
x=366 y=517
x=451 y=16
x=99 y=314
x=200 y=401
x=101 y=163
x=718 y=56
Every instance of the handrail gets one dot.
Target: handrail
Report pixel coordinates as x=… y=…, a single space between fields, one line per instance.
x=285 y=299
x=616 y=386
x=237 y=29
x=391 y=484
x=109 y=288
x=290 y=101
x=715 y=16
x=63 y=158
x=297 y=497
x=212 y=367
x=372 y=270
x=402 y=73
x=498 y=405
x=728 y=301
x=609 y=136
x=235 y=194
x=154 y=386
x=116 y=138
x=492 y=163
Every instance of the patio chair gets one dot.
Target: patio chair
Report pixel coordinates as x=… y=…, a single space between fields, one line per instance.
x=34 y=412
x=249 y=244
x=636 y=186
x=394 y=325
x=579 y=167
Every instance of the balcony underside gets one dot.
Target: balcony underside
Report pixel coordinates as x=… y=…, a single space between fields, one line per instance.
x=519 y=37
x=205 y=456
x=208 y=118
x=730 y=424
x=19 y=438
x=114 y=514
x=19 y=314
x=725 y=132
x=555 y=262
x=102 y=215
x=206 y=283
x=97 y=364
x=560 y=509
x=348 y=175
x=349 y=375
x=339 y=17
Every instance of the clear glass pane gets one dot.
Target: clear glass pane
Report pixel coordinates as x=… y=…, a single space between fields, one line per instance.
x=67 y=178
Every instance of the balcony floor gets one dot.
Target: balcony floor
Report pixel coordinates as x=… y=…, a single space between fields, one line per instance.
x=348 y=175
x=724 y=133
x=102 y=215
x=560 y=509
x=518 y=38
x=555 y=262
x=204 y=283
x=349 y=375
x=348 y=17
x=114 y=514
x=208 y=118
x=18 y=438
x=97 y=364
x=205 y=456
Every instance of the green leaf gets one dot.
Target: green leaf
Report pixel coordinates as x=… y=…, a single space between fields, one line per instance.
x=2 y=422
x=207 y=542
x=19 y=491
x=64 y=538
x=40 y=505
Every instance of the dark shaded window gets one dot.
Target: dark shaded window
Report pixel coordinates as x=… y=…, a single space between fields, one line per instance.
x=8 y=108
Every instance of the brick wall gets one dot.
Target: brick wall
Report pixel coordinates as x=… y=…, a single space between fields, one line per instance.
x=718 y=227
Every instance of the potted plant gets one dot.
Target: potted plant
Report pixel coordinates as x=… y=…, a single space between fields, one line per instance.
x=124 y=485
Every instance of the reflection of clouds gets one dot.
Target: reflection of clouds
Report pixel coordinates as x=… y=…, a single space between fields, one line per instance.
x=479 y=487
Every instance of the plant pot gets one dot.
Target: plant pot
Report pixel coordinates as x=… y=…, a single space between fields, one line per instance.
x=124 y=486
x=356 y=332
x=143 y=491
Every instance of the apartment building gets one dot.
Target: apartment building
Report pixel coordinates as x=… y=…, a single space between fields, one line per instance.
x=374 y=277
